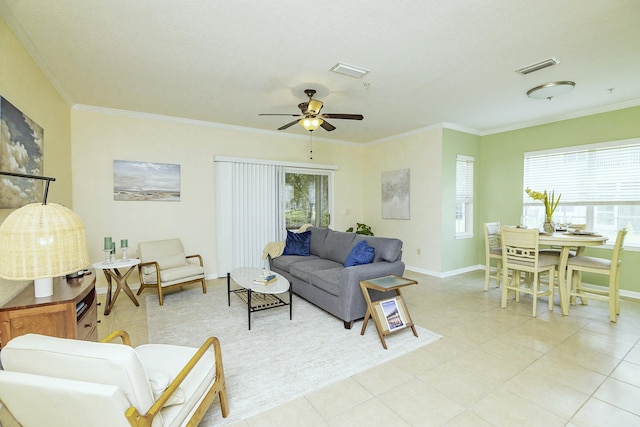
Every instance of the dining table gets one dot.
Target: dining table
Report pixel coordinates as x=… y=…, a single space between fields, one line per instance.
x=567 y=240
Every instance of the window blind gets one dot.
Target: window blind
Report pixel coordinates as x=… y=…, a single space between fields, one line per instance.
x=602 y=174
x=464 y=179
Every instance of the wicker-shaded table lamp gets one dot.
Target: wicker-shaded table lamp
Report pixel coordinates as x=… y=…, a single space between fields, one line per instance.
x=41 y=241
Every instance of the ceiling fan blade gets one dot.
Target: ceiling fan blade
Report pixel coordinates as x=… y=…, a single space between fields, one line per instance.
x=276 y=114
x=343 y=116
x=288 y=125
x=327 y=126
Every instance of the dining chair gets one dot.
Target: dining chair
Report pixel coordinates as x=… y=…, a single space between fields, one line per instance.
x=520 y=253
x=493 y=250
x=611 y=268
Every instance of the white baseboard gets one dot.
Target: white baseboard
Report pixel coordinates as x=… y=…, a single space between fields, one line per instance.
x=442 y=275
x=623 y=293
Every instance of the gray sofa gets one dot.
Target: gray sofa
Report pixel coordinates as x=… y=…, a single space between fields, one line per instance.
x=322 y=279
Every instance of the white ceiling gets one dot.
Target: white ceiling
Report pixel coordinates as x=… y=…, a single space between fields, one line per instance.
x=430 y=61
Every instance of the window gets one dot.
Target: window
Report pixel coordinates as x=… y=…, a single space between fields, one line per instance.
x=599 y=184
x=464 y=196
x=306 y=198
x=257 y=200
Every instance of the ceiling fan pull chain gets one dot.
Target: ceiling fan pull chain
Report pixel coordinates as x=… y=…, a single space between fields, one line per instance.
x=311 y=145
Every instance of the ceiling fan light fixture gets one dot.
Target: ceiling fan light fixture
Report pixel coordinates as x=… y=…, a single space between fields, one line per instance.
x=349 y=70
x=551 y=89
x=314 y=106
x=311 y=123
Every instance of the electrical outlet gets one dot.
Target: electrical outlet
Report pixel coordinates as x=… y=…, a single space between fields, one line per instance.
x=419 y=251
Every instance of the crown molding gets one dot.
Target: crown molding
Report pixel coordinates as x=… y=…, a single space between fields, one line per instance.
x=202 y=123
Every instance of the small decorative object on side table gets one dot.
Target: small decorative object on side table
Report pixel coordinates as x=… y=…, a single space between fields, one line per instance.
x=108 y=250
x=389 y=315
x=124 y=247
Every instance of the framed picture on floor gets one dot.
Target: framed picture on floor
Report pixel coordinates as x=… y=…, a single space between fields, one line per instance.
x=392 y=313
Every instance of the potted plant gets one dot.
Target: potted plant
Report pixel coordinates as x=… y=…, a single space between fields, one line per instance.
x=361 y=229
x=550 y=205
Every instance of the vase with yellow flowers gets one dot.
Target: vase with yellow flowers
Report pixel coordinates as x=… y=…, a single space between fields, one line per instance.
x=550 y=205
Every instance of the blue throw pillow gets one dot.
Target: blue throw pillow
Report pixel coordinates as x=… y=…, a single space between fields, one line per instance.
x=297 y=243
x=360 y=254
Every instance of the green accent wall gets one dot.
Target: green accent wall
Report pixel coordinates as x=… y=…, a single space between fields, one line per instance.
x=502 y=157
x=458 y=253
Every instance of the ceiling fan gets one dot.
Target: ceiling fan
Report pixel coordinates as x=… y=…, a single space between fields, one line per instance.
x=311 y=119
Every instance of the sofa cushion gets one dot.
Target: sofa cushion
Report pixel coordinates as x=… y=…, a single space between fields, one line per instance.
x=361 y=253
x=318 y=237
x=386 y=248
x=330 y=281
x=337 y=245
x=284 y=262
x=302 y=270
x=298 y=243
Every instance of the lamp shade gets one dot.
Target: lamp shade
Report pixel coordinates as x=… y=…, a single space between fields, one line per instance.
x=42 y=240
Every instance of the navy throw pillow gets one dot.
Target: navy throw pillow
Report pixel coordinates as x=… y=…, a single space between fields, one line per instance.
x=360 y=254
x=297 y=243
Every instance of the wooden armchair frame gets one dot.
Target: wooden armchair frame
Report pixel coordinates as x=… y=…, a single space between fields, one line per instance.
x=219 y=387
x=158 y=284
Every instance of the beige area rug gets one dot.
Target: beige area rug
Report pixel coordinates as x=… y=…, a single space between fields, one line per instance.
x=278 y=359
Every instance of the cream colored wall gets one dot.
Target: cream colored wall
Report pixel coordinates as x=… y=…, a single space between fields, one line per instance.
x=99 y=137
x=25 y=86
x=422 y=154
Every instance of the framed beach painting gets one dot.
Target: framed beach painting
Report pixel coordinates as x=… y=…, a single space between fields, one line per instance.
x=146 y=181
x=21 y=151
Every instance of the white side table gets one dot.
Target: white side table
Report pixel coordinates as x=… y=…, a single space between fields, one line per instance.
x=111 y=271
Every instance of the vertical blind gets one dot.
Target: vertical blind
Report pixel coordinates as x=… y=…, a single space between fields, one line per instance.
x=600 y=174
x=249 y=212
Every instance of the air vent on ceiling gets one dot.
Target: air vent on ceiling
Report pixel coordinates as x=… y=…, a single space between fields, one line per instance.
x=348 y=70
x=538 y=66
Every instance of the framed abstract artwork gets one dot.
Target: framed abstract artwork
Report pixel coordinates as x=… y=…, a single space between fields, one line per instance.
x=395 y=194
x=146 y=181
x=21 y=151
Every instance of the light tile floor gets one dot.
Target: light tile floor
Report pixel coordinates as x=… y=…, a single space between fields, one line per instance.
x=494 y=366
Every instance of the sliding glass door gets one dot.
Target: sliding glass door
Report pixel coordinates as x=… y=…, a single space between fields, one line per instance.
x=307 y=198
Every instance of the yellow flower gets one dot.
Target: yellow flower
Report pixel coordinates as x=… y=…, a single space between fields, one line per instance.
x=549 y=205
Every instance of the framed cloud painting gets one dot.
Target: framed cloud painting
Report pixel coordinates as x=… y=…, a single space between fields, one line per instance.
x=146 y=181
x=21 y=151
x=395 y=194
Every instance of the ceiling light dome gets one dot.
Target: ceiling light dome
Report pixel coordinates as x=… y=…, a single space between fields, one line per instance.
x=551 y=89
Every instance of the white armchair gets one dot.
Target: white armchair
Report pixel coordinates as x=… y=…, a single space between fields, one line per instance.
x=163 y=264
x=49 y=381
